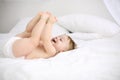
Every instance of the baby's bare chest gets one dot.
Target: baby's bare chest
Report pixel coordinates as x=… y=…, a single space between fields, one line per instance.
x=39 y=52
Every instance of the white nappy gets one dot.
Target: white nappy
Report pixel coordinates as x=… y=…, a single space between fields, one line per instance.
x=7 y=50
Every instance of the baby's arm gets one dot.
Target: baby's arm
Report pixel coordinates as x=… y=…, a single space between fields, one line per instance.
x=46 y=36
x=38 y=29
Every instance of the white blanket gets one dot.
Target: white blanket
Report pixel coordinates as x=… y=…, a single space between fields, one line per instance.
x=97 y=59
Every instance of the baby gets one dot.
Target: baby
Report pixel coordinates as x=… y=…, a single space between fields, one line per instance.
x=36 y=42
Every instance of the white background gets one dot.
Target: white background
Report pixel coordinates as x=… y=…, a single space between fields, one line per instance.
x=11 y=11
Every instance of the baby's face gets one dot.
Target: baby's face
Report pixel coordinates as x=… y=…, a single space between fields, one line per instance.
x=61 y=43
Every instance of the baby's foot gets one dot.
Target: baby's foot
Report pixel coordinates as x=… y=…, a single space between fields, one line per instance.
x=44 y=16
x=52 y=19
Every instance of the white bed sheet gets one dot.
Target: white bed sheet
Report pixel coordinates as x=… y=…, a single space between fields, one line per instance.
x=96 y=60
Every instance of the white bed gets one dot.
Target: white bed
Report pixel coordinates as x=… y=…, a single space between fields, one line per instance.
x=96 y=58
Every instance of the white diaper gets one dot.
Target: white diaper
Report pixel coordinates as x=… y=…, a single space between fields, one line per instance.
x=7 y=50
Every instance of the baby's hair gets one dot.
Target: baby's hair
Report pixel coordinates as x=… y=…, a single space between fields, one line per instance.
x=72 y=44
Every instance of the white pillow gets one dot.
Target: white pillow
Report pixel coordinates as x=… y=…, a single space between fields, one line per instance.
x=88 y=24
x=58 y=30
x=21 y=25
x=81 y=38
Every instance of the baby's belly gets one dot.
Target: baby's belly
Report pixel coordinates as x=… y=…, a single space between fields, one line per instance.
x=40 y=53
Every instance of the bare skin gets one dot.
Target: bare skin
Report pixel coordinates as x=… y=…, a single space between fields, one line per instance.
x=36 y=39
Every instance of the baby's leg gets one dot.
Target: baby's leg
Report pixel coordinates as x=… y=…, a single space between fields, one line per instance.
x=23 y=47
x=30 y=26
x=33 y=22
x=24 y=34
